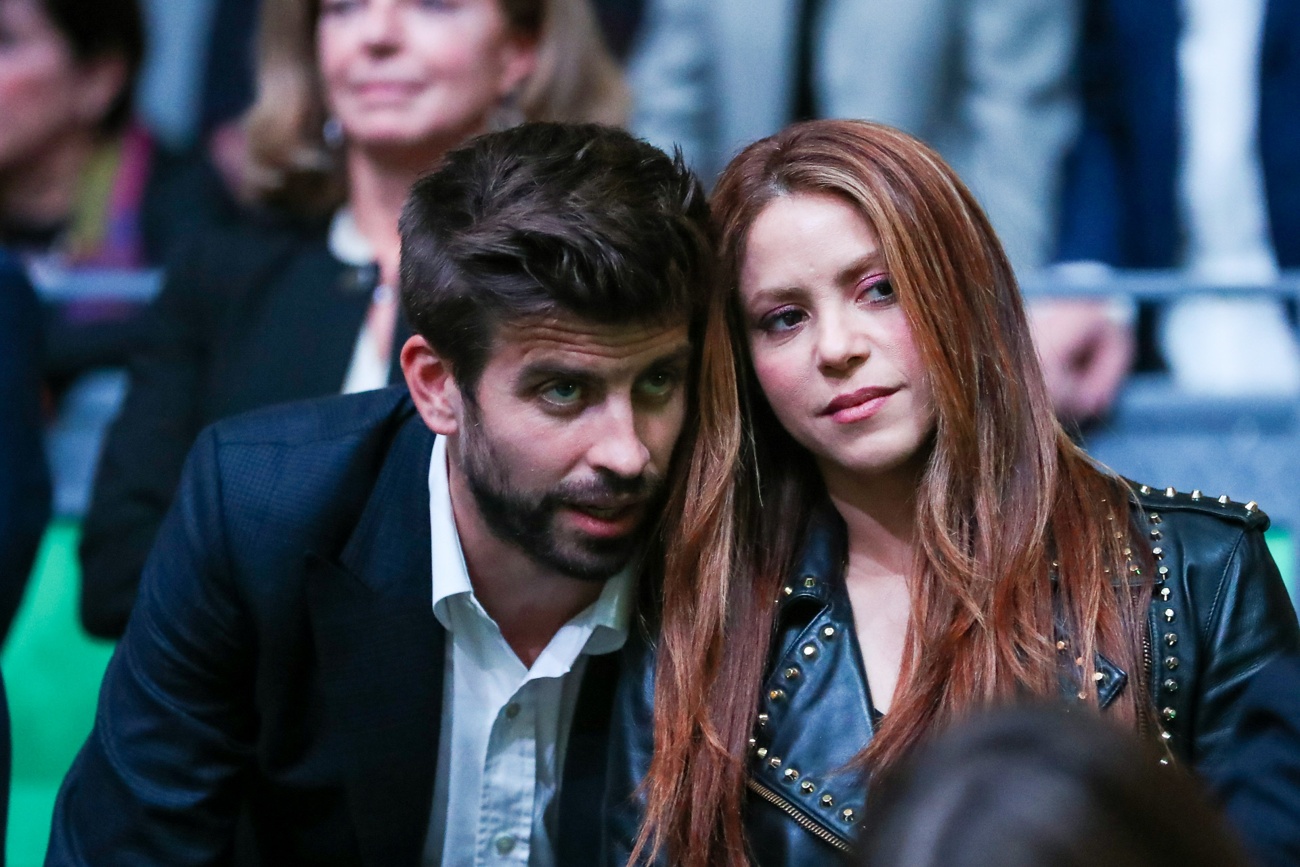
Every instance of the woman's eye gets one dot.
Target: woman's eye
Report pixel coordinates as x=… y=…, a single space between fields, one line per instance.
x=881 y=291
x=563 y=393
x=785 y=319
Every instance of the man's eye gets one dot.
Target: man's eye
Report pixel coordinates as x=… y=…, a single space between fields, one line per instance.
x=658 y=384
x=563 y=393
x=339 y=7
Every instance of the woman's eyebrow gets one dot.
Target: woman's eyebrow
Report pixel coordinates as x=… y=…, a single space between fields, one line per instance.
x=872 y=261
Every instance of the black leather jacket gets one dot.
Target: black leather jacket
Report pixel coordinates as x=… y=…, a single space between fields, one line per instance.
x=1220 y=611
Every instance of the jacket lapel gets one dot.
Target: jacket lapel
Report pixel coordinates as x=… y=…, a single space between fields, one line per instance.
x=381 y=655
x=582 y=792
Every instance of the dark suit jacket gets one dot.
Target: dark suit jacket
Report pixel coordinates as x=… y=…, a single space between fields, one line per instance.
x=248 y=317
x=1119 y=200
x=1261 y=788
x=284 y=660
x=24 y=479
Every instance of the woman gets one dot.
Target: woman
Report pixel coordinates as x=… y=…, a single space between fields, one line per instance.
x=302 y=304
x=899 y=533
x=72 y=167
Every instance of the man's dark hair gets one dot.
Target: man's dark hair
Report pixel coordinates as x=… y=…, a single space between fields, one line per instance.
x=99 y=28
x=547 y=218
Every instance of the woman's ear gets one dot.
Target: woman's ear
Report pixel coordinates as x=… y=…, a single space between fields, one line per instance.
x=519 y=62
x=433 y=389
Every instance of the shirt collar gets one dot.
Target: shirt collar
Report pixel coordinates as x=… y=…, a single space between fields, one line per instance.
x=346 y=243
x=605 y=622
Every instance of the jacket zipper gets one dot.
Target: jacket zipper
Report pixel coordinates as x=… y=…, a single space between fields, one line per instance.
x=1169 y=757
x=799 y=817
x=1151 y=673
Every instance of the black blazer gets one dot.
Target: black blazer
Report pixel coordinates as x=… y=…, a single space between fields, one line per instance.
x=248 y=317
x=24 y=478
x=284 y=661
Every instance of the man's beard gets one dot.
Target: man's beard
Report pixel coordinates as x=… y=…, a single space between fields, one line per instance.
x=528 y=520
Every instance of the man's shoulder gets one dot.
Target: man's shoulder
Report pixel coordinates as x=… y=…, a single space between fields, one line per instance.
x=303 y=457
x=316 y=422
x=299 y=476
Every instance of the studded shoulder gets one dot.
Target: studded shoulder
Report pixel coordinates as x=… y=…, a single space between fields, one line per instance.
x=1153 y=499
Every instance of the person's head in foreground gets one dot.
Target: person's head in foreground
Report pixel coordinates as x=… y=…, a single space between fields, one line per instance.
x=869 y=379
x=554 y=275
x=1038 y=787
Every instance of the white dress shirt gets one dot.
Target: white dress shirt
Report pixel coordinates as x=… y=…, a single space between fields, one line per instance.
x=1215 y=344
x=369 y=367
x=504 y=726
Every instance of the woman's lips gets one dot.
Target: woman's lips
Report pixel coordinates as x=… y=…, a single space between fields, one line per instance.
x=858 y=405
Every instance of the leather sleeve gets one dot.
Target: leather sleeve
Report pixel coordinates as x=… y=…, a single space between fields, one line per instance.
x=1260 y=783
x=158 y=780
x=631 y=746
x=1247 y=622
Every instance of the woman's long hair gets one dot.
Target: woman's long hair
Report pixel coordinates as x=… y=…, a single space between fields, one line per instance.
x=291 y=166
x=1006 y=499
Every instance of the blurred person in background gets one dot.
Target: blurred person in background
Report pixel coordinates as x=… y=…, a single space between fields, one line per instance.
x=986 y=83
x=356 y=99
x=73 y=165
x=1187 y=159
x=200 y=83
x=24 y=479
x=1038 y=787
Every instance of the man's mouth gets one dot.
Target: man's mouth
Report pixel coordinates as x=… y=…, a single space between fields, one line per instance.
x=607 y=520
x=606 y=513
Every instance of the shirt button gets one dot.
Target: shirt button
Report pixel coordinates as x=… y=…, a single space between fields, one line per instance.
x=512 y=711
x=505 y=845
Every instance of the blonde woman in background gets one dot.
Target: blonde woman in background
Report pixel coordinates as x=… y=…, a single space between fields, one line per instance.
x=356 y=99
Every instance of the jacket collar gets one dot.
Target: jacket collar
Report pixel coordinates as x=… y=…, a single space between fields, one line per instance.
x=814 y=713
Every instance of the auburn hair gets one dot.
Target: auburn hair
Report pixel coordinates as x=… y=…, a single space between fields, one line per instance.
x=576 y=80
x=1019 y=533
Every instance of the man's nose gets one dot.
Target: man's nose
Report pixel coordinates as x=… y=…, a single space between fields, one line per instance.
x=617 y=446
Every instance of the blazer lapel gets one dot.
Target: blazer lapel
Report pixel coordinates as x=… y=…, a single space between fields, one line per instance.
x=381 y=656
x=582 y=792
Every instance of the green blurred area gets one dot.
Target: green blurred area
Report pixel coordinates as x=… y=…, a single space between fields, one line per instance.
x=52 y=670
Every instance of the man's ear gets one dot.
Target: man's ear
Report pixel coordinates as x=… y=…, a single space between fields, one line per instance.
x=433 y=389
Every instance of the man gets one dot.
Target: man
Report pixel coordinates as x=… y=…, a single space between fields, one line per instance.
x=387 y=647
